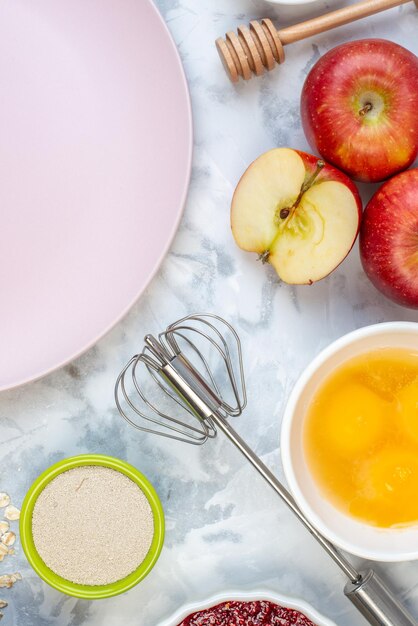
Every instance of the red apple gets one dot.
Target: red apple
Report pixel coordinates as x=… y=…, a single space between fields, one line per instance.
x=359 y=108
x=297 y=213
x=389 y=239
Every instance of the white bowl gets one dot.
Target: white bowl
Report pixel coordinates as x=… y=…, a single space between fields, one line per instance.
x=290 y=603
x=292 y=2
x=359 y=538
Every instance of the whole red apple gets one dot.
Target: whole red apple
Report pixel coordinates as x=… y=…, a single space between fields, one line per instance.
x=359 y=108
x=389 y=239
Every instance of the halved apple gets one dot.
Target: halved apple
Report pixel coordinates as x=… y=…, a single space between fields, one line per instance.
x=297 y=213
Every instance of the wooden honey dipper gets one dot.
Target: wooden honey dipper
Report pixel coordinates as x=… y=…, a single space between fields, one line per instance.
x=259 y=47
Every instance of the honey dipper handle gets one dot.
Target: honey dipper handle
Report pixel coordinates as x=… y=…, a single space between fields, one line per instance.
x=258 y=48
x=336 y=18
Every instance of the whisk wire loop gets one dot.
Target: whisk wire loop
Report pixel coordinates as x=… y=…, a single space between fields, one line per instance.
x=169 y=426
x=170 y=358
x=236 y=379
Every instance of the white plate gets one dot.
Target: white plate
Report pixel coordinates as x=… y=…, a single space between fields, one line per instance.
x=95 y=153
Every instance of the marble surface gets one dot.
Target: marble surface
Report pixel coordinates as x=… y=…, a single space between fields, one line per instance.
x=225 y=529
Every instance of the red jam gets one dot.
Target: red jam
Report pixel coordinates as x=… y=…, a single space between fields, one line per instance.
x=258 y=613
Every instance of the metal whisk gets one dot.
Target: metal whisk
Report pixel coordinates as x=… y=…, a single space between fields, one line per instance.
x=196 y=367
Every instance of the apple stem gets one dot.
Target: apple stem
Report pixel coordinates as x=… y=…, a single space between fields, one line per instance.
x=319 y=166
x=367 y=107
x=264 y=257
x=284 y=213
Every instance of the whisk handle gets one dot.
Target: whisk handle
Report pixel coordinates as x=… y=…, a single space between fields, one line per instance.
x=377 y=603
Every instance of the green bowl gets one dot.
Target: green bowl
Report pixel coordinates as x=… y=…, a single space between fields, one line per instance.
x=85 y=591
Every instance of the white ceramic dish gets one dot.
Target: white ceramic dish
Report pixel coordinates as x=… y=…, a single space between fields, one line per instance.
x=347 y=533
x=292 y=2
x=292 y=603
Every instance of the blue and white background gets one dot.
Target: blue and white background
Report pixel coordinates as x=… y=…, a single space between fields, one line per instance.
x=225 y=528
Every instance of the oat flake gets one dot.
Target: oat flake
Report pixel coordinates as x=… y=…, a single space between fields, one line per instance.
x=76 y=518
x=12 y=513
x=8 y=580
x=8 y=538
x=4 y=499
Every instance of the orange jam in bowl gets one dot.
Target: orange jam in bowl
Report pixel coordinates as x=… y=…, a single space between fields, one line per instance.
x=361 y=437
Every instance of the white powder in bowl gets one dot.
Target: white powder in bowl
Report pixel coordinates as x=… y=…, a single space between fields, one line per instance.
x=92 y=525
